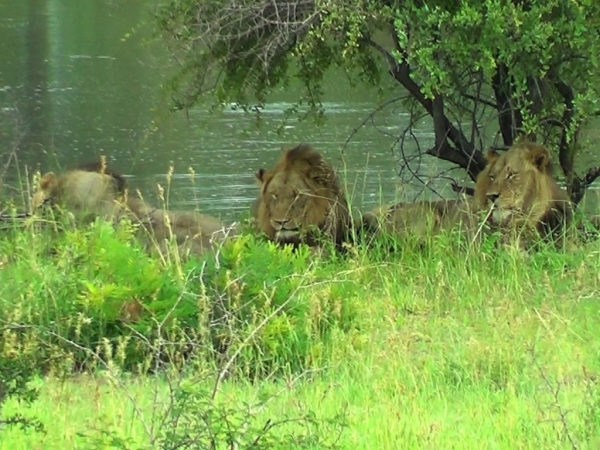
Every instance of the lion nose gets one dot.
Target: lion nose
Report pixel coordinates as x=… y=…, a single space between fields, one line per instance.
x=492 y=197
x=281 y=222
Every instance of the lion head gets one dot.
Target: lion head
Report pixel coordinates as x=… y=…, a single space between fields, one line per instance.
x=300 y=195
x=518 y=188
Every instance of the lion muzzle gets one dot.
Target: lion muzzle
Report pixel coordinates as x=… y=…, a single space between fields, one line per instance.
x=497 y=214
x=492 y=197
x=286 y=230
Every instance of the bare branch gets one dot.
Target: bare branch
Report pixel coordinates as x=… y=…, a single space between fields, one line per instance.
x=463 y=153
x=478 y=99
x=462 y=189
x=509 y=117
x=580 y=185
x=565 y=156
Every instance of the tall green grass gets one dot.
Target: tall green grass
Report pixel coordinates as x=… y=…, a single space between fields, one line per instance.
x=437 y=345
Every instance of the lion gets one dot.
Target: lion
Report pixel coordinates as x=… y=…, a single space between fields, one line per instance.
x=193 y=232
x=89 y=194
x=423 y=218
x=520 y=193
x=300 y=198
x=80 y=191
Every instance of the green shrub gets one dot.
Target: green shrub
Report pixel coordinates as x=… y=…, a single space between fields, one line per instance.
x=91 y=292
x=198 y=420
x=17 y=370
x=276 y=308
x=95 y=296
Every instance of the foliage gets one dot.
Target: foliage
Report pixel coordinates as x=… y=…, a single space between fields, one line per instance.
x=197 y=420
x=282 y=317
x=481 y=69
x=510 y=341
x=17 y=371
x=91 y=293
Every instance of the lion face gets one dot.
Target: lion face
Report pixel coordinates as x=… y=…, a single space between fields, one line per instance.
x=300 y=196
x=518 y=186
x=48 y=184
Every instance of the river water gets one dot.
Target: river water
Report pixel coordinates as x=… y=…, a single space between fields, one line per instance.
x=73 y=87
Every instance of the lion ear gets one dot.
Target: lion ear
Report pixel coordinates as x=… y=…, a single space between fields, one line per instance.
x=48 y=181
x=539 y=156
x=263 y=176
x=260 y=174
x=491 y=155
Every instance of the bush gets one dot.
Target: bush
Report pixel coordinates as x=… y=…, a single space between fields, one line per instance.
x=94 y=295
x=17 y=370
x=89 y=291
x=197 y=420
x=277 y=308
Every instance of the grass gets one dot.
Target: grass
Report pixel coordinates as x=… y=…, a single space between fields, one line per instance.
x=449 y=349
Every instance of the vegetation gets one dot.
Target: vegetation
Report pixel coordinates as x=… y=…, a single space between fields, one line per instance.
x=98 y=296
x=430 y=345
x=484 y=72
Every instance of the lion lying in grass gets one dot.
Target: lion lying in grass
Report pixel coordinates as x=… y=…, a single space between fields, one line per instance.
x=516 y=192
x=88 y=194
x=300 y=199
x=423 y=218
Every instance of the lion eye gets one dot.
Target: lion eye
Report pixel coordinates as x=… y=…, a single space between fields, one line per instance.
x=492 y=177
x=510 y=174
x=274 y=196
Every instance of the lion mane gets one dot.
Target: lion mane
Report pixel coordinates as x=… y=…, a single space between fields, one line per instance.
x=300 y=198
x=519 y=191
x=89 y=194
x=101 y=166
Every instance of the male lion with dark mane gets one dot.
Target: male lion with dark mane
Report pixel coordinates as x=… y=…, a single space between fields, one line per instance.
x=89 y=194
x=520 y=192
x=300 y=197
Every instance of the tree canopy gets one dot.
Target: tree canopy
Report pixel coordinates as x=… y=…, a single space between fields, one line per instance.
x=482 y=70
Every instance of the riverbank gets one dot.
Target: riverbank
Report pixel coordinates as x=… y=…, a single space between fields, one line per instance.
x=436 y=347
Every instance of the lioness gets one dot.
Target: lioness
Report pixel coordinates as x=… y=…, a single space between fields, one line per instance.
x=423 y=218
x=520 y=192
x=299 y=196
x=93 y=194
